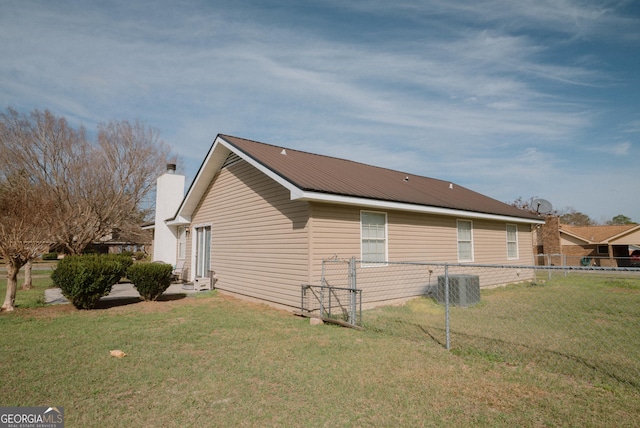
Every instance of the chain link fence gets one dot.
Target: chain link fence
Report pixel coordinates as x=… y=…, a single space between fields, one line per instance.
x=587 y=260
x=571 y=319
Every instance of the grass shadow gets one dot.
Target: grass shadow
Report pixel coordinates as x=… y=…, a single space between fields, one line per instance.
x=116 y=302
x=171 y=297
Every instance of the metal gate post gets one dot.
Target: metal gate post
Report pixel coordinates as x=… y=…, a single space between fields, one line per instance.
x=323 y=283
x=446 y=305
x=352 y=293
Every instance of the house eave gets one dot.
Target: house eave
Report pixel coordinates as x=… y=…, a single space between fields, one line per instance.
x=208 y=169
x=614 y=238
x=178 y=221
x=308 y=196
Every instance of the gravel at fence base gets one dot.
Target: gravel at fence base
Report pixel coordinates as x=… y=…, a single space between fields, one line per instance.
x=53 y=296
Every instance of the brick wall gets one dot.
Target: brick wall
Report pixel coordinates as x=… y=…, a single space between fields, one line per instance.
x=551 y=239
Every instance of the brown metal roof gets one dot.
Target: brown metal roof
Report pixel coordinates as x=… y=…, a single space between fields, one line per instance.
x=325 y=174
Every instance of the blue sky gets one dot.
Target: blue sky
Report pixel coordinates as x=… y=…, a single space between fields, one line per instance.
x=509 y=98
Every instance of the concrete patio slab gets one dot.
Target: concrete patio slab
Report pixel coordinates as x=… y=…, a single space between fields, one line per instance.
x=53 y=296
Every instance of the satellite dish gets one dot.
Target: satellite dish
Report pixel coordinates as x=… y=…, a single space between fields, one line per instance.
x=542 y=206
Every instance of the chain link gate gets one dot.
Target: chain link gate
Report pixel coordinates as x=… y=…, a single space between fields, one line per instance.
x=338 y=298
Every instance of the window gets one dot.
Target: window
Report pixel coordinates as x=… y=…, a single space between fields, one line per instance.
x=182 y=242
x=512 y=241
x=374 y=236
x=465 y=241
x=603 y=249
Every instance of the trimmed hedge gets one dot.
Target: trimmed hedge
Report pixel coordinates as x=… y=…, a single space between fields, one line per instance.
x=150 y=279
x=84 y=279
x=50 y=256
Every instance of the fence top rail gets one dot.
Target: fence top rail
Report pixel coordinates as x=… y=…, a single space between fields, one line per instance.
x=588 y=256
x=305 y=286
x=505 y=266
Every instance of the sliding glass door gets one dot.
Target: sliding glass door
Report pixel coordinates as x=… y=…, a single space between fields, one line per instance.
x=203 y=251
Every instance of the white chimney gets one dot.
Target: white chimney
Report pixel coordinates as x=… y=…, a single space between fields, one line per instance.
x=169 y=195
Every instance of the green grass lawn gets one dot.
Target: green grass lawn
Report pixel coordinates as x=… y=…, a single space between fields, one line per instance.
x=32 y=298
x=212 y=360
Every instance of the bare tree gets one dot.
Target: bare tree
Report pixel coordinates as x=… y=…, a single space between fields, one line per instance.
x=110 y=191
x=525 y=205
x=58 y=187
x=130 y=157
x=25 y=206
x=531 y=205
x=24 y=229
x=28 y=277
x=98 y=187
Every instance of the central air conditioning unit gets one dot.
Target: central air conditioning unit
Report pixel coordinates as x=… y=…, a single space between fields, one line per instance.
x=464 y=290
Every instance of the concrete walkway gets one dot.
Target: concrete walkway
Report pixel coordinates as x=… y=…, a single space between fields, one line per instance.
x=53 y=296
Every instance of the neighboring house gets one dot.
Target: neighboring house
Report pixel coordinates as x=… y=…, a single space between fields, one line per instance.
x=116 y=243
x=264 y=217
x=607 y=246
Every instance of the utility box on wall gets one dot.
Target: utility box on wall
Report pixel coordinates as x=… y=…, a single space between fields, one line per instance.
x=464 y=290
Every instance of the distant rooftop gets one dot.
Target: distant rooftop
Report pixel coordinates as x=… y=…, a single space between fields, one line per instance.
x=598 y=233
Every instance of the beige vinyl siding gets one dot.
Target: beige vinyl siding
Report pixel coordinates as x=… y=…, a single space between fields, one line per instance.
x=490 y=242
x=335 y=233
x=490 y=247
x=411 y=238
x=419 y=238
x=259 y=236
x=526 y=255
x=414 y=237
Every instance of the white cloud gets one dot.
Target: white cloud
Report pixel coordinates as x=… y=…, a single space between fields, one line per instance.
x=631 y=127
x=472 y=89
x=622 y=149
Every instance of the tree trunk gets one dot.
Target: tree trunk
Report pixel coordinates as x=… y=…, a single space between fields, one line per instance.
x=28 y=282
x=12 y=286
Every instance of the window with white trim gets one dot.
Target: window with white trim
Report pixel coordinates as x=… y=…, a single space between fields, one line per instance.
x=512 y=241
x=182 y=242
x=373 y=232
x=465 y=241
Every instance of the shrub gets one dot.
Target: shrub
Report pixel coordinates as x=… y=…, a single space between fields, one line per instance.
x=85 y=279
x=50 y=256
x=139 y=255
x=122 y=259
x=150 y=279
